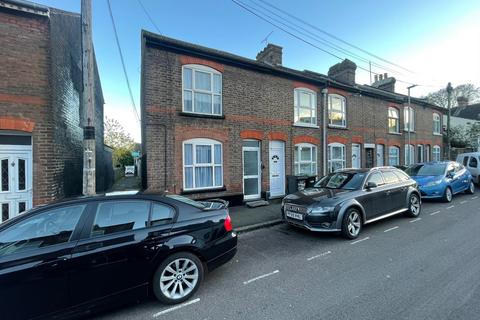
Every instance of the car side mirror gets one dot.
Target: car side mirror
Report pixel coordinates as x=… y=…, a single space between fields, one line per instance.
x=371 y=185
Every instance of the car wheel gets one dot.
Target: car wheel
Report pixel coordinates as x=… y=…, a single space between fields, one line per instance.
x=414 y=206
x=351 y=224
x=448 y=195
x=177 y=278
x=471 y=188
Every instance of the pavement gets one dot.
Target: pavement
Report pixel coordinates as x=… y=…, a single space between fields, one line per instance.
x=399 y=268
x=246 y=219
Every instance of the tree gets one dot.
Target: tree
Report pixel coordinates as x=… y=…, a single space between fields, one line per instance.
x=440 y=97
x=121 y=142
x=115 y=135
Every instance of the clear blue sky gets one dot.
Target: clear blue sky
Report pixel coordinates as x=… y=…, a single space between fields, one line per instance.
x=389 y=29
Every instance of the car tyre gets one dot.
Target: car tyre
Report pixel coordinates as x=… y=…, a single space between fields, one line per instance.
x=414 y=206
x=177 y=278
x=471 y=188
x=447 y=195
x=351 y=223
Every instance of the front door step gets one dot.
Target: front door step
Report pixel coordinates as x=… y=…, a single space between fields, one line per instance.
x=258 y=203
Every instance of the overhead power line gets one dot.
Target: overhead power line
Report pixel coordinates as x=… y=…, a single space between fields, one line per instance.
x=251 y=10
x=335 y=37
x=315 y=37
x=149 y=17
x=123 y=62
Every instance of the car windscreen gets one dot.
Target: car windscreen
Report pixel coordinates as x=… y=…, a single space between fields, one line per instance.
x=188 y=201
x=342 y=180
x=428 y=169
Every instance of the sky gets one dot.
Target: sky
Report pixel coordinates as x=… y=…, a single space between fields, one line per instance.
x=437 y=41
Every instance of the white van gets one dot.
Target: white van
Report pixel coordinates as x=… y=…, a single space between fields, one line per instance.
x=471 y=161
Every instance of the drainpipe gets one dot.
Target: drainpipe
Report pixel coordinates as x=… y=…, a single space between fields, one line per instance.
x=324 y=129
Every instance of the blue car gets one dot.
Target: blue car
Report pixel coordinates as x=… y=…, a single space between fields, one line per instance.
x=441 y=180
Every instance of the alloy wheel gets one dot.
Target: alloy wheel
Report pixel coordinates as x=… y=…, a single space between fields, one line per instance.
x=448 y=194
x=354 y=223
x=179 y=278
x=414 y=205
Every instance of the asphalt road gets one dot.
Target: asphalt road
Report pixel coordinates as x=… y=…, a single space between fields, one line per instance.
x=399 y=268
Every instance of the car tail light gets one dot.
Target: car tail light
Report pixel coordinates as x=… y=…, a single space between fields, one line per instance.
x=228 y=223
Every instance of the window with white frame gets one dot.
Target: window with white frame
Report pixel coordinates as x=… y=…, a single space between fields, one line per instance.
x=337 y=115
x=202 y=90
x=409 y=154
x=394 y=156
x=393 y=120
x=409 y=119
x=305 y=159
x=436 y=153
x=202 y=164
x=336 y=157
x=436 y=124
x=305 y=103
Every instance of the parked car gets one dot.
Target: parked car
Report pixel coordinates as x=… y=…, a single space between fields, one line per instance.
x=129 y=171
x=77 y=255
x=344 y=201
x=471 y=161
x=441 y=180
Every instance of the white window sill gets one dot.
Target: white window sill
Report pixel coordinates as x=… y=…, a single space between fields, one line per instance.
x=438 y=134
x=411 y=131
x=395 y=133
x=305 y=125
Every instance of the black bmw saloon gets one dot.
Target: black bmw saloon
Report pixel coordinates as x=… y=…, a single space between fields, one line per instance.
x=72 y=257
x=344 y=201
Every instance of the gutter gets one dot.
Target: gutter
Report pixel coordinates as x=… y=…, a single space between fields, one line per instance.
x=26 y=6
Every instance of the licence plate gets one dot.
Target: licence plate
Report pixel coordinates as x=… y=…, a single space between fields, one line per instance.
x=294 y=215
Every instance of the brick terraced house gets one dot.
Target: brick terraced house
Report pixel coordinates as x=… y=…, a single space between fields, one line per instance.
x=41 y=135
x=218 y=125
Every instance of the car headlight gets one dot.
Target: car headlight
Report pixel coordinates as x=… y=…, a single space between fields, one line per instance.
x=321 y=210
x=433 y=183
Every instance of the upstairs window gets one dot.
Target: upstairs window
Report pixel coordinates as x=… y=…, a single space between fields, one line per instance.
x=436 y=123
x=202 y=164
x=409 y=116
x=337 y=115
x=305 y=103
x=202 y=90
x=393 y=120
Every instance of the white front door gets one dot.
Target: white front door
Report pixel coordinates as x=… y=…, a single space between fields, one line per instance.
x=380 y=153
x=356 y=156
x=251 y=170
x=277 y=168
x=15 y=180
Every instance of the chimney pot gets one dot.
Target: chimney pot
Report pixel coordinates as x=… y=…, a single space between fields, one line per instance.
x=380 y=77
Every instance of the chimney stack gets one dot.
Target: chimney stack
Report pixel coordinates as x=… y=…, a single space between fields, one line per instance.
x=343 y=72
x=271 y=54
x=462 y=101
x=384 y=82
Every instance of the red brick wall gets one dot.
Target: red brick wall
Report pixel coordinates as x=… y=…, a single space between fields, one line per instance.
x=256 y=105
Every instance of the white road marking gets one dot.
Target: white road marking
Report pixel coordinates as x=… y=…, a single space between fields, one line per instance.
x=396 y=227
x=415 y=220
x=176 y=307
x=261 y=277
x=450 y=207
x=360 y=240
x=473 y=198
x=434 y=213
x=319 y=255
x=464 y=201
